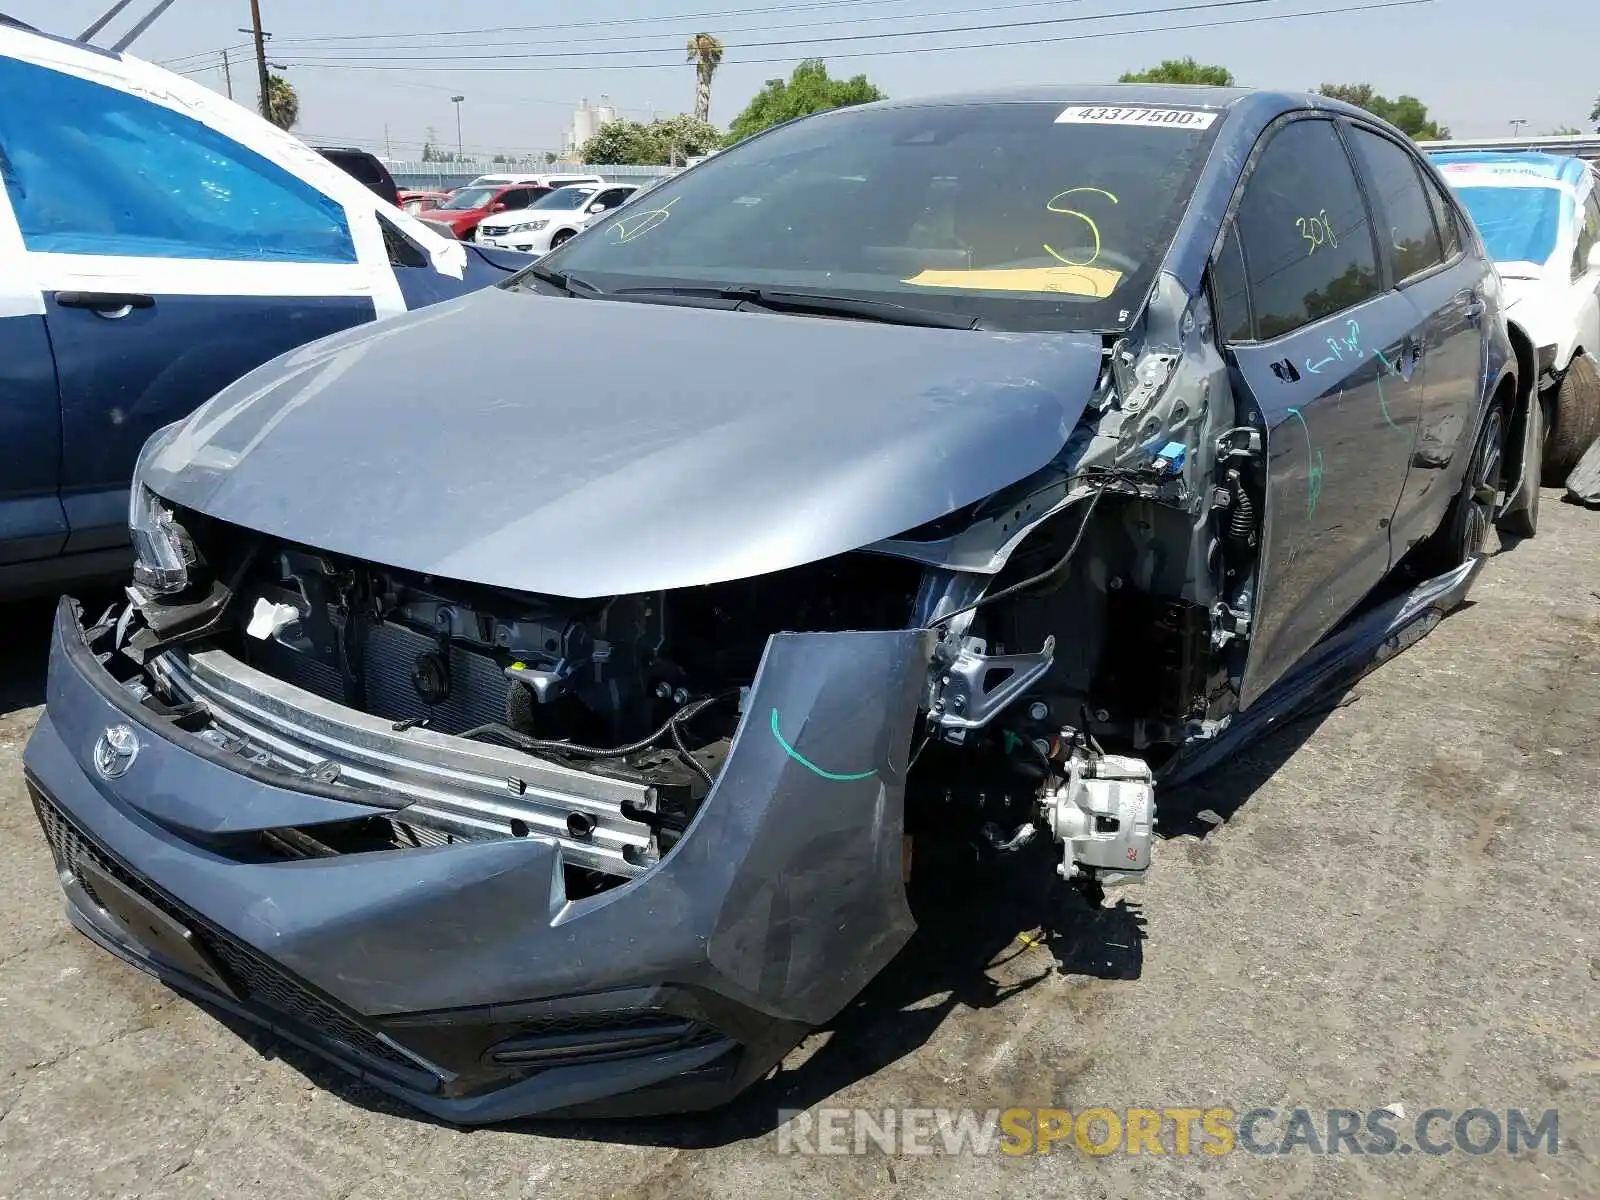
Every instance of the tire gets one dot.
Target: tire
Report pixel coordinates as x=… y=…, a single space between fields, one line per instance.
x=1574 y=418
x=1524 y=523
x=561 y=239
x=1465 y=528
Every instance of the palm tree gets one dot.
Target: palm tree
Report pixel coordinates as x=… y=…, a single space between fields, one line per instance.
x=283 y=105
x=705 y=52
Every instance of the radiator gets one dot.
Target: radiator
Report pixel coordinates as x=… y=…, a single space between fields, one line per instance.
x=477 y=685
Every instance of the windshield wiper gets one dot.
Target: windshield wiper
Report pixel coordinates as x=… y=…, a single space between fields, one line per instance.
x=565 y=280
x=773 y=300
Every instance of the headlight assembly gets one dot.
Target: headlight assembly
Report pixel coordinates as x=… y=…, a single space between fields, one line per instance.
x=163 y=550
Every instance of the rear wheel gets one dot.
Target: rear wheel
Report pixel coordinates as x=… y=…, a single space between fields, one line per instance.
x=1465 y=528
x=1574 y=417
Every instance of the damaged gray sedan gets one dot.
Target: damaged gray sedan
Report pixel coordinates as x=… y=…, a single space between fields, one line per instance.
x=918 y=474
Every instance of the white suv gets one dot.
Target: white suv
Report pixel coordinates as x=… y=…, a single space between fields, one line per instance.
x=553 y=219
x=1539 y=215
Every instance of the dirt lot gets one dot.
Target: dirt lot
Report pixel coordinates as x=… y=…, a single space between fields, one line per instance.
x=1396 y=904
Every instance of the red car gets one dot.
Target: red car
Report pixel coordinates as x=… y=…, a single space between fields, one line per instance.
x=415 y=202
x=469 y=205
x=494 y=194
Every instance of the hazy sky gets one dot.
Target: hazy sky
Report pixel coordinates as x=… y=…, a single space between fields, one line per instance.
x=1476 y=63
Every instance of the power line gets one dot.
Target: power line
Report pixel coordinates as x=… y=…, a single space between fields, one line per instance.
x=989 y=27
x=381 y=53
x=678 y=17
x=1033 y=41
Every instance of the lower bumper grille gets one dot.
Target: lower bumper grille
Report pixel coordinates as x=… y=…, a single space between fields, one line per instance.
x=257 y=979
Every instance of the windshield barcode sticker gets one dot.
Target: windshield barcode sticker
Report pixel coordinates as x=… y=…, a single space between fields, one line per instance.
x=1167 y=118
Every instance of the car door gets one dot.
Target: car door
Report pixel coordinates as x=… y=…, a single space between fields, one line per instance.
x=518 y=197
x=1308 y=323
x=1585 y=274
x=32 y=524
x=172 y=259
x=1447 y=288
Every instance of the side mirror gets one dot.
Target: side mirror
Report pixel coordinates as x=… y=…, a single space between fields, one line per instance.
x=497 y=206
x=595 y=208
x=1594 y=257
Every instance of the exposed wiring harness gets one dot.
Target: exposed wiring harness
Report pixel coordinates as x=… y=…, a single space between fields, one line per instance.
x=670 y=727
x=1107 y=476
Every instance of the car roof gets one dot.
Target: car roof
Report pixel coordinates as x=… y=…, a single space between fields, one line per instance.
x=1247 y=111
x=1528 y=164
x=1084 y=93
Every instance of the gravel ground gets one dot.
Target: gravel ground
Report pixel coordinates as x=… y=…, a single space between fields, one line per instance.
x=1394 y=904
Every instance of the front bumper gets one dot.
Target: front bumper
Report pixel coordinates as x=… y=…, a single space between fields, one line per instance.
x=461 y=977
x=526 y=242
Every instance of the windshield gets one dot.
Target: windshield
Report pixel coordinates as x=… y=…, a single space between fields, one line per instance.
x=1027 y=215
x=470 y=197
x=1518 y=224
x=567 y=197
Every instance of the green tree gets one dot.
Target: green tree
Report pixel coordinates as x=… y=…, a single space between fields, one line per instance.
x=660 y=143
x=705 y=52
x=1182 y=70
x=1594 y=113
x=683 y=137
x=808 y=90
x=1563 y=131
x=283 y=104
x=1407 y=114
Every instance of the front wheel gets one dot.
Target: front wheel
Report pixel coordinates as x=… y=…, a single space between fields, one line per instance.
x=1574 y=417
x=561 y=239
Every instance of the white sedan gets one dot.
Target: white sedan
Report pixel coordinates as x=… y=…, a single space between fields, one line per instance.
x=1539 y=215
x=550 y=221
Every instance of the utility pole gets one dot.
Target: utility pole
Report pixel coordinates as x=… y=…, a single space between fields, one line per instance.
x=261 y=56
x=1516 y=124
x=227 y=72
x=456 y=100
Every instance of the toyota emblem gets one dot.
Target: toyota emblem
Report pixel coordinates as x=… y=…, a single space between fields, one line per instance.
x=115 y=750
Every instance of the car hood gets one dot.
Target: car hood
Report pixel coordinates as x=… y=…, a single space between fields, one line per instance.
x=585 y=447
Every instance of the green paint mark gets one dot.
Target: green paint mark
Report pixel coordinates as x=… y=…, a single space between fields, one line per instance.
x=1313 y=467
x=811 y=766
x=1382 y=403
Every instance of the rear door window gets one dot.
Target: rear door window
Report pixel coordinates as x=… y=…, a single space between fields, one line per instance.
x=1395 y=184
x=1444 y=216
x=108 y=173
x=1304 y=229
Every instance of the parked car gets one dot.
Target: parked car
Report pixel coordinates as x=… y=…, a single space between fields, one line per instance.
x=1539 y=215
x=156 y=243
x=422 y=201
x=551 y=220
x=469 y=205
x=365 y=166
x=544 y=179
x=932 y=480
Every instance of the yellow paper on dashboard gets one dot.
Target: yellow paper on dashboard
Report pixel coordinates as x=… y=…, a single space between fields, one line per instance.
x=1094 y=282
